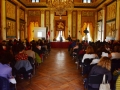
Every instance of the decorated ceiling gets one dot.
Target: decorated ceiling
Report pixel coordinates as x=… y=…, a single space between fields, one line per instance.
x=77 y=3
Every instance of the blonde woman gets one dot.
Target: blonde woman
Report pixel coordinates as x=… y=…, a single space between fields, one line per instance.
x=103 y=67
x=89 y=53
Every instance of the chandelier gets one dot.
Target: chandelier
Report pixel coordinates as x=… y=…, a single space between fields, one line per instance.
x=60 y=6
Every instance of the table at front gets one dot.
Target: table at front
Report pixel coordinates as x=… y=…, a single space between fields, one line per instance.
x=60 y=44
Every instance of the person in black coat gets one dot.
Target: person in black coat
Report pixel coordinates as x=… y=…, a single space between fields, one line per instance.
x=103 y=67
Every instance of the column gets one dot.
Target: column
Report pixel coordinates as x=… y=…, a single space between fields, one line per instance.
x=18 y=22
x=52 y=30
x=69 y=22
x=26 y=33
x=79 y=36
x=118 y=21
x=42 y=18
x=95 y=28
x=104 y=24
x=3 y=20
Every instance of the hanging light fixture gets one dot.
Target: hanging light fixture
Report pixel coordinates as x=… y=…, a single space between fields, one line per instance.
x=60 y=6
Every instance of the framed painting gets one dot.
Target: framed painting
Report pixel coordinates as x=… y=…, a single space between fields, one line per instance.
x=60 y=25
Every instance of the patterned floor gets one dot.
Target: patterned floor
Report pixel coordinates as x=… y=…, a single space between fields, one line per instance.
x=57 y=72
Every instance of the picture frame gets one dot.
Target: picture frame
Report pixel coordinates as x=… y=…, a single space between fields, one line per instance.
x=60 y=25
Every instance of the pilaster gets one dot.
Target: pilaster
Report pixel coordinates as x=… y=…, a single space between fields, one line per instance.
x=79 y=29
x=42 y=18
x=69 y=22
x=104 y=23
x=3 y=20
x=26 y=35
x=96 y=28
x=52 y=31
x=118 y=21
x=18 y=22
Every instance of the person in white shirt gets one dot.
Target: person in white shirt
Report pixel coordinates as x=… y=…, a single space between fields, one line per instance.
x=89 y=53
x=30 y=53
x=115 y=54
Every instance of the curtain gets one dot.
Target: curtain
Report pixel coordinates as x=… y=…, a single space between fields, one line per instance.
x=91 y=31
x=31 y=30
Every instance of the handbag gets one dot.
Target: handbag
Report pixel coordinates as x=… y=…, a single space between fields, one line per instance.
x=104 y=85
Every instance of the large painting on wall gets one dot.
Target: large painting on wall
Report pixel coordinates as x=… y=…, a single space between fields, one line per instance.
x=110 y=29
x=60 y=25
x=11 y=29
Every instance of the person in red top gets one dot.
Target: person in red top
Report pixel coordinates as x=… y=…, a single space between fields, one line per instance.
x=21 y=55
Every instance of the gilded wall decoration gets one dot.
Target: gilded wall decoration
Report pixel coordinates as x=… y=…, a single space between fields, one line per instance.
x=74 y=24
x=87 y=13
x=22 y=35
x=60 y=25
x=100 y=15
x=111 y=11
x=22 y=14
x=34 y=13
x=47 y=19
x=10 y=10
x=110 y=29
x=64 y=14
x=11 y=29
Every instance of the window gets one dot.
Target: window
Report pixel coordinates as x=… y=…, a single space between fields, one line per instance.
x=35 y=1
x=86 y=1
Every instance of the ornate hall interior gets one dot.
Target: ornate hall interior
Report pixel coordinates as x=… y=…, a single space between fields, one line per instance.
x=100 y=17
x=55 y=21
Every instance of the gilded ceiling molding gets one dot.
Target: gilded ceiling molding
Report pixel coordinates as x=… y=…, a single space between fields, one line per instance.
x=52 y=11
x=69 y=11
x=42 y=11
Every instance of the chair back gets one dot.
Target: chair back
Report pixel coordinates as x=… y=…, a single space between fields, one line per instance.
x=115 y=64
x=4 y=84
x=87 y=61
x=96 y=79
x=31 y=60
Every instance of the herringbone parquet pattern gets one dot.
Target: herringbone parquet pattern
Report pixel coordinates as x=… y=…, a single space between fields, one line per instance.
x=57 y=72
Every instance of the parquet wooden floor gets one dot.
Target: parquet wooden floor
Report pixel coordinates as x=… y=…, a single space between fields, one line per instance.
x=57 y=72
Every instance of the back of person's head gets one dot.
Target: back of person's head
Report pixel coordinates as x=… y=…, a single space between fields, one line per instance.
x=116 y=48
x=21 y=47
x=105 y=62
x=5 y=58
x=28 y=47
x=89 y=50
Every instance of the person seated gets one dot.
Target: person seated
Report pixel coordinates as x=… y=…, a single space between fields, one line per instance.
x=115 y=54
x=29 y=52
x=117 y=85
x=89 y=53
x=69 y=38
x=22 y=62
x=6 y=73
x=6 y=70
x=103 y=67
x=101 y=52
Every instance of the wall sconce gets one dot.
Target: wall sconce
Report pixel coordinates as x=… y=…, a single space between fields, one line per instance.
x=79 y=31
x=8 y=25
x=51 y=30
